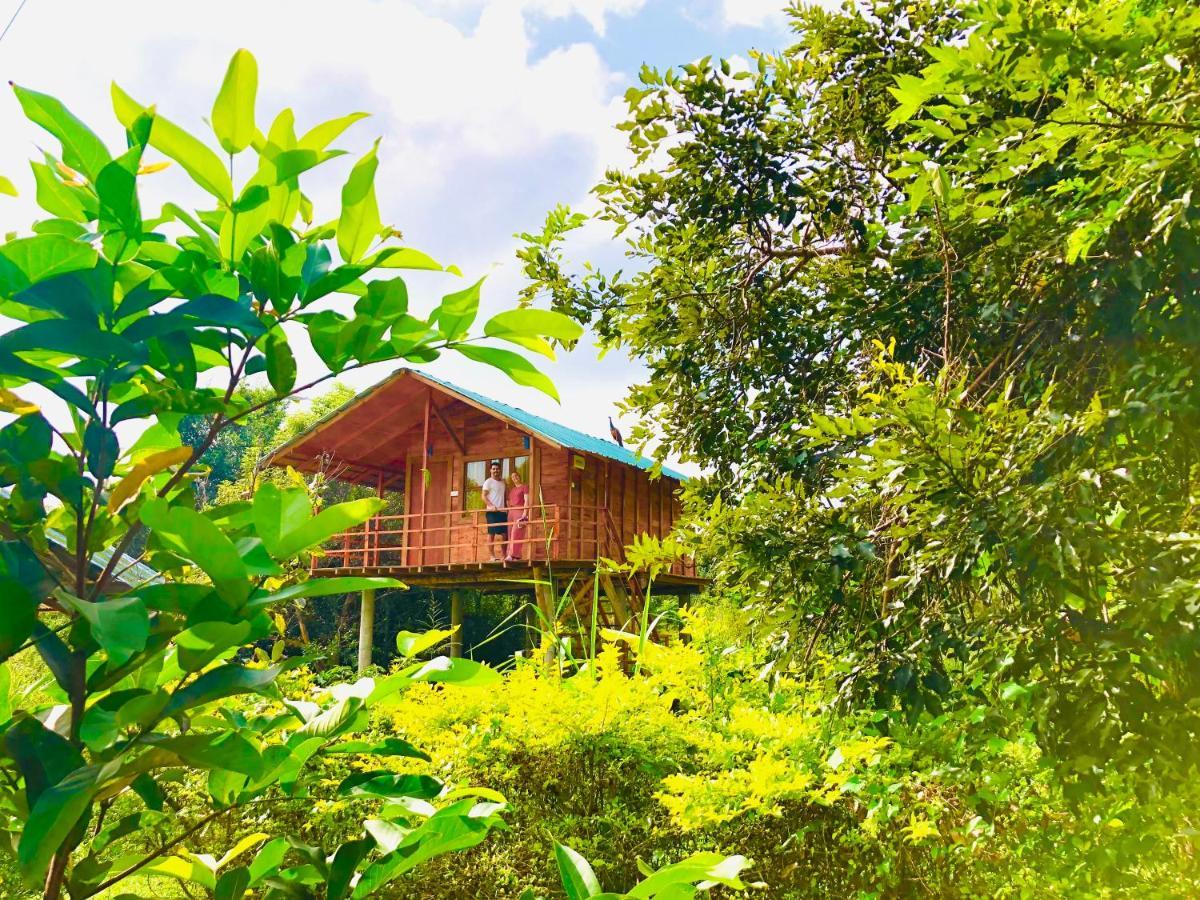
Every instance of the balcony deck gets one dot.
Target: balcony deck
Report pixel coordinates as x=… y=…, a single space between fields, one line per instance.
x=451 y=548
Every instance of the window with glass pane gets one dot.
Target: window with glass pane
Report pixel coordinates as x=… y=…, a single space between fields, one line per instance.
x=476 y=472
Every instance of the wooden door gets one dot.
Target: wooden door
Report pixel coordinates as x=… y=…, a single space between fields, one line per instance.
x=429 y=531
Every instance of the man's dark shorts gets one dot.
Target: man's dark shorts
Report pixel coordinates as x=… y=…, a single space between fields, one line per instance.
x=497 y=522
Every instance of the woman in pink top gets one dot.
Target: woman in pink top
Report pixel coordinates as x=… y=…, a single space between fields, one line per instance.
x=518 y=516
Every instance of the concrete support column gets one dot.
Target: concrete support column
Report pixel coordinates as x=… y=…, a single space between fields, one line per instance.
x=456 y=621
x=366 y=630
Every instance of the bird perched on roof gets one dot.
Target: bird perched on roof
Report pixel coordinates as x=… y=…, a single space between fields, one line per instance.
x=616 y=435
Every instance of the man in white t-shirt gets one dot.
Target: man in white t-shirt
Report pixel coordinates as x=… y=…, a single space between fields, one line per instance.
x=497 y=517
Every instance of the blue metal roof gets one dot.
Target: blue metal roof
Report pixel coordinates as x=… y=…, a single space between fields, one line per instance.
x=559 y=434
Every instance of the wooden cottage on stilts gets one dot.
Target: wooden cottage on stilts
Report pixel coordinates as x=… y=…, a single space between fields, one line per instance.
x=435 y=443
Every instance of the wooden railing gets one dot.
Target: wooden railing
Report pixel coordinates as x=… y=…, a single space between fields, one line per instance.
x=551 y=533
x=457 y=537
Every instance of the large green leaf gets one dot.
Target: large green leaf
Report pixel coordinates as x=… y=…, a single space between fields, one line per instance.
x=281 y=364
x=197 y=538
x=53 y=817
x=284 y=522
x=344 y=865
x=578 y=879
x=117 y=189
x=457 y=311
x=27 y=261
x=225 y=681
x=533 y=323
x=459 y=672
x=71 y=203
x=82 y=150
x=412 y=643
x=388 y=784
x=515 y=366
x=700 y=867
x=193 y=156
x=19 y=617
x=120 y=625
x=359 y=223
x=459 y=826
x=67 y=337
x=392 y=746
x=323 y=587
x=232 y=885
x=205 y=641
x=220 y=750
x=320 y=136
x=233 y=111
x=43 y=757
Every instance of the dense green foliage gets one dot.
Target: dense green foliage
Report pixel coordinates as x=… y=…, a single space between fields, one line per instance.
x=919 y=291
x=125 y=324
x=922 y=291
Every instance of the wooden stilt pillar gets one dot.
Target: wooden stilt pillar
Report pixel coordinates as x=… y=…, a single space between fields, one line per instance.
x=366 y=630
x=544 y=594
x=619 y=598
x=456 y=621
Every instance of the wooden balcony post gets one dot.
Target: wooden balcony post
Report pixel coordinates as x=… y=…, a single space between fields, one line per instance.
x=366 y=630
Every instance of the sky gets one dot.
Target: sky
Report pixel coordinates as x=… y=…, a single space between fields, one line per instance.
x=490 y=112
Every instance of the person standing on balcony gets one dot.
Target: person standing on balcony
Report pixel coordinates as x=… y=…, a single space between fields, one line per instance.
x=497 y=519
x=518 y=516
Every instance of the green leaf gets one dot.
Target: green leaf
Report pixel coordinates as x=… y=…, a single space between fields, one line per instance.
x=197 y=538
x=344 y=865
x=27 y=261
x=700 y=867
x=120 y=625
x=460 y=672
x=578 y=879
x=457 y=827
x=221 y=750
x=7 y=187
x=70 y=203
x=102 y=449
x=54 y=816
x=183 y=868
x=387 y=784
x=226 y=681
x=43 y=757
x=515 y=366
x=324 y=587
x=329 y=722
x=387 y=747
x=457 y=312
x=62 y=336
x=320 y=136
x=533 y=323
x=205 y=641
x=232 y=885
x=267 y=861
x=285 y=528
x=54 y=653
x=281 y=364
x=117 y=189
x=19 y=618
x=233 y=111
x=359 y=223
x=411 y=643
x=81 y=149
x=200 y=162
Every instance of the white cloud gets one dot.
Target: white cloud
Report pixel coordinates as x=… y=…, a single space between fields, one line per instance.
x=752 y=13
x=479 y=140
